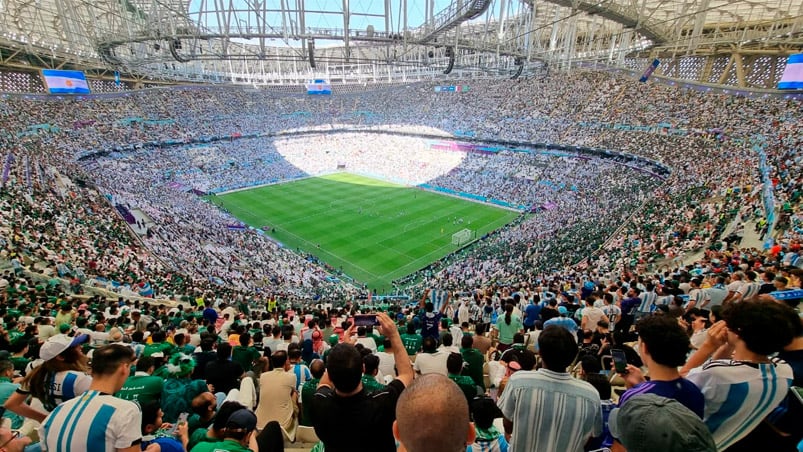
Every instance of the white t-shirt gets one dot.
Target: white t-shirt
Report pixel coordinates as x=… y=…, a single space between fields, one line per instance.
x=457 y=335
x=463 y=314
x=387 y=364
x=592 y=316
x=698 y=338
x=734 y=286
x=367 y=342
x=431 y=363
x=99 y=338
x=46 y=332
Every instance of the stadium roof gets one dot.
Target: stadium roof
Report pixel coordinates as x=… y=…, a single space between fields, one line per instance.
x=229 y=40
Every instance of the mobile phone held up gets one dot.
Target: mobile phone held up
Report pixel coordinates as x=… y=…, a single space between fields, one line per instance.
x=182 y=418
x=366 y=320
x=619 y=361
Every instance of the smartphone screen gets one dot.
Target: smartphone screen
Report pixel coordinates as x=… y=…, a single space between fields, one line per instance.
x=619 y=361
x=181 y=418
x=365 y=320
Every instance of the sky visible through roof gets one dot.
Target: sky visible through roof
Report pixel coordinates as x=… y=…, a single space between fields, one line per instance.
x=329 y=15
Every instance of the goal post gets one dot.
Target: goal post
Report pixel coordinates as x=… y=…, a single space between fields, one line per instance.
x=461 y=237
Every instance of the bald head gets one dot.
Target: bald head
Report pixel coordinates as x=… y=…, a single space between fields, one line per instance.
x=317 y=368
x=432 y=415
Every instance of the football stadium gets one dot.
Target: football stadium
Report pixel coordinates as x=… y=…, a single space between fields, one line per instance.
x=435 y=225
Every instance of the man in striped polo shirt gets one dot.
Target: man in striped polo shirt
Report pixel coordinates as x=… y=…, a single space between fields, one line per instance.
x=548 y=409
x=98 y=418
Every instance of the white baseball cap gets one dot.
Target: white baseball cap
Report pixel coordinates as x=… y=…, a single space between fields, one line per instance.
x=57 y=344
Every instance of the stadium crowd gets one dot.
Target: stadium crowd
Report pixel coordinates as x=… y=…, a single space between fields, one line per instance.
x=250 y=352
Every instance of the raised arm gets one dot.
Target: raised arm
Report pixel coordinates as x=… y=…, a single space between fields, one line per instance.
x=446 y=303
x=424 y=297
x=403 y=366
x=714 y=346
x=16 y=404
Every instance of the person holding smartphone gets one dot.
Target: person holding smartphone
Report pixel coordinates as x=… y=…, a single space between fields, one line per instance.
x=663 y=345
x=342 y=410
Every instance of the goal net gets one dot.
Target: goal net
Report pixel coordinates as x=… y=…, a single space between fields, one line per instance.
x=461 y=237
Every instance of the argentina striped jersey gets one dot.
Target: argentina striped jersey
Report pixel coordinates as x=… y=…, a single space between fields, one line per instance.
x=97 y=419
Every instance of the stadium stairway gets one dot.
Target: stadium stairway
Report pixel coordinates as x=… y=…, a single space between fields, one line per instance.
x=750 y=239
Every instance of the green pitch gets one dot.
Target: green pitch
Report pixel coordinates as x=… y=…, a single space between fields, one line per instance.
x=375 y=231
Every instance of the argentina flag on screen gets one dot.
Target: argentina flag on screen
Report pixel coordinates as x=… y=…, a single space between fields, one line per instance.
x=65 y=82
x=793 y=73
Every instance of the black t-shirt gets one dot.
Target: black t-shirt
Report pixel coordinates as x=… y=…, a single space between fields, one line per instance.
x=223 y=375
x=201 y=360
x=549 y=313
x=357 y=423
x=766 y=288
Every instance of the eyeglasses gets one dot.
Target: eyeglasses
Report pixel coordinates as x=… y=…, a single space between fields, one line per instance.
x=14 y=435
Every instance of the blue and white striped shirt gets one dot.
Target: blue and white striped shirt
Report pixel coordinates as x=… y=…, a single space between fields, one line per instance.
x=102 y=420
x=739 y=395
x=550 y=411
x=647 y=301
x=61 y=387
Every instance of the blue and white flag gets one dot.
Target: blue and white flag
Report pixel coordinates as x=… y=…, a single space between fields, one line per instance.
x=438 y=297
x=792 y=77
x=65 y=82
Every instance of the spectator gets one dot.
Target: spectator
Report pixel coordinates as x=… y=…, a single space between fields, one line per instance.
x=340 y=399
x=142 y=387
x=412 y=341
x=592 y=315
x=387 y=362
x=474 y=361
x=603 y=387
x=663 y=346
x=240 y=427
x=479 y=340
x=507 y=327
x=215 y=432
x=454 y=365
x=370 y=363
x=6 y=389
x=534 y=401
x=245 y=354
x=113 y=417
x=317 y=368
x=58 y=379
x=430 y=359
x=740 y=392
x=650 y=422
x=299 y=369
x=153 y=431
x=278 y=395
x=431 y=415
x=206 y=355
x=223 y=373
x=489 y=438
